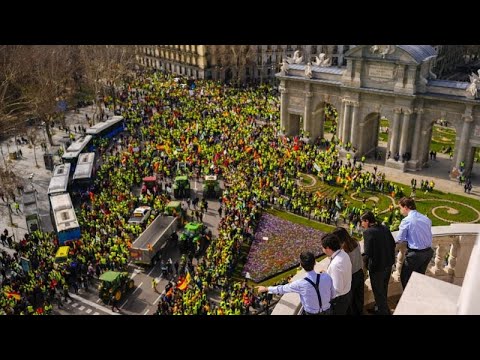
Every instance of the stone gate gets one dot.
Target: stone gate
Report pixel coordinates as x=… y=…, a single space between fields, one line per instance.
x=390 y=81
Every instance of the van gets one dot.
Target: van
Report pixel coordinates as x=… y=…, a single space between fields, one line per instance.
x=62 y=254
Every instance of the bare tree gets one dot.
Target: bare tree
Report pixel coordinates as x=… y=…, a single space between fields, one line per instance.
x=32 y=136
x=105 y=67
x=12 y=102
x=47 y=82
x=8 y=184
x=233 y=60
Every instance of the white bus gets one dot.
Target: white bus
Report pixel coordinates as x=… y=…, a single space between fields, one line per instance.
x=84 y=172
x=83 y=144
x=107 y=129
x=64 y=218
x=76 y=148
x=59 y=181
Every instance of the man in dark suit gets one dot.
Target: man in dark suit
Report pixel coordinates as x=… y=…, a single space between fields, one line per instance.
x=379 y=256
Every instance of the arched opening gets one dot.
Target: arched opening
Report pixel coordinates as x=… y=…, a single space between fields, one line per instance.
x=375 y=140
x=330 y=124
x=295 y=125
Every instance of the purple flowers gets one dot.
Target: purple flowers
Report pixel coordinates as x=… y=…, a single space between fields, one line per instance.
x=286 y=240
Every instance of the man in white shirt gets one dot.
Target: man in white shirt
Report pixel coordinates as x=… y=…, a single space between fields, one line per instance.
x=340 y=269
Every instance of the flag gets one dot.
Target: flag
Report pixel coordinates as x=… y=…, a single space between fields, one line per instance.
x=11 y=294
x=183 y=285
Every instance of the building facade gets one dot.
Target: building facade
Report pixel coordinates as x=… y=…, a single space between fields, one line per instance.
x=232 y=63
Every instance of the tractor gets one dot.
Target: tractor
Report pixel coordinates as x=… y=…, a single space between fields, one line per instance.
x=174 y=208
x=181 y=187
x=114 y=282
x=211 y=187
x=191 y=238
x=149 y=184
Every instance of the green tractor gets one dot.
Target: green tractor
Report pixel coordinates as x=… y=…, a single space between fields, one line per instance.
x=174 y=208
x=181 y=187
x=211 y=187
x=114 y=282
x=192 y=236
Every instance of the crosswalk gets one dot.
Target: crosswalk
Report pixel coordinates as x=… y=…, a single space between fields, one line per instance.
x=73 y=307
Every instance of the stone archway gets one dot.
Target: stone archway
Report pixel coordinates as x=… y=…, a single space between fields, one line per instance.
x=391 y=80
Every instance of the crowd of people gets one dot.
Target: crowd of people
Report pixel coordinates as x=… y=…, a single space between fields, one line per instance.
x=212 y=129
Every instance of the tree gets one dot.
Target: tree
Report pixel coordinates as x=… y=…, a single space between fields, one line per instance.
x=47 y=82
x=8 y=184
x=32 y=136
x=12 y=102
x=232 y=61
x=105 y=67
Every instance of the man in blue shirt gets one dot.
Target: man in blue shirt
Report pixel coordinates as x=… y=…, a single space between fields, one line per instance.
x=416 y=230
x=315 y=290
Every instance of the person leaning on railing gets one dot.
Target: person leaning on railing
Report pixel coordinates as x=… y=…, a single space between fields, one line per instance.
x=416 y=230
x=315 y=290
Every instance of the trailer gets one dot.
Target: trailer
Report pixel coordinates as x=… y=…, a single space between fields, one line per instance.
x=146 y=248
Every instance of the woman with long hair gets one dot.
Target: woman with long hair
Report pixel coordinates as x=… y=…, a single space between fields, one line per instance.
x=352 y=248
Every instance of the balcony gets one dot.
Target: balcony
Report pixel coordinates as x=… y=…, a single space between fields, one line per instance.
x=448 y=287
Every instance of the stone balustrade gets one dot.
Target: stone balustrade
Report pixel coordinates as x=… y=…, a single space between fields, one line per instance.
x=453 y=246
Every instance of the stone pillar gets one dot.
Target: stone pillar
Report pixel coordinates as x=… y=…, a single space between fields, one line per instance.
x=354 y=136
x=284 y=123
x=307 y=114
x=346 y=122
x=402 y=250
x=395 y=131
x=416 y=135
x=452 y=258
x=464 y=140
x=404 y=137
x=440 y=253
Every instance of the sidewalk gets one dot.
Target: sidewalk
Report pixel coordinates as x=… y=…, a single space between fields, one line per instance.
x=41 y=177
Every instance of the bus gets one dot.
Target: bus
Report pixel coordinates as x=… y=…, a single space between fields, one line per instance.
x=64 y=218
x=60 y=179
x=83 y=144
x=84 y=172
x=107 y=129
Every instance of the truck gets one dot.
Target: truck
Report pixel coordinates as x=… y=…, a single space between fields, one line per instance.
x=30 y=210
x=140 y=214
x=146 y=248
x=174 y=208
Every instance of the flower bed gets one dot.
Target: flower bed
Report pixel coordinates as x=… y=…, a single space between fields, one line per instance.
x=281 y=251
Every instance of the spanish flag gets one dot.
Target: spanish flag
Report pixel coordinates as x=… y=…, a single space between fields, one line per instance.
x=11 y=294
x=183 y=285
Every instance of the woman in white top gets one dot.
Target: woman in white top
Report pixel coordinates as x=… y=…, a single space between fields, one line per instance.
x=352 y=248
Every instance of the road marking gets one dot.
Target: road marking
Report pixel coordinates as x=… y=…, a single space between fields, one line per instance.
x=96 y=313
x=138 y=287
x=153 y=268
x=88 y=311
x=74 y=304
x=123 y=304
x=81 y=308
x=135 y=273
x=146 y=312
x=158 y=298
x=92 y=304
